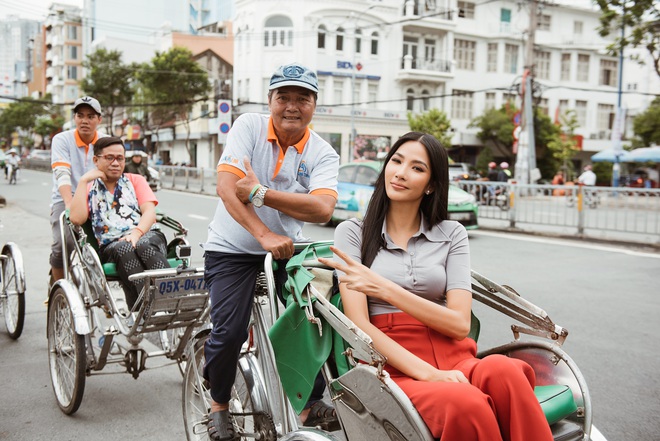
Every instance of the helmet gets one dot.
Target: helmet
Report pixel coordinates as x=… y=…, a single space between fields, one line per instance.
x=504 y=165
x=492 y=165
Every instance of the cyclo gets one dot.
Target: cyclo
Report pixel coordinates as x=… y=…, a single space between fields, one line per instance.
x=282 y=355
x=88 y=306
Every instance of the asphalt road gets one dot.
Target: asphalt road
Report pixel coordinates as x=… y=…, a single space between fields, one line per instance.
x=605 y=296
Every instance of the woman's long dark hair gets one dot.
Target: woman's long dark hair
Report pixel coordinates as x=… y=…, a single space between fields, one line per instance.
x=433 y=207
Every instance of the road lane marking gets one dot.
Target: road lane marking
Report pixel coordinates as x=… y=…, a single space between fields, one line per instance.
x=197 y=216
x=568 y=242
x=596 y=435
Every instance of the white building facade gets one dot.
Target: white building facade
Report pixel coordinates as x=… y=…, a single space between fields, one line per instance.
x=378 y=60
x=64 y=53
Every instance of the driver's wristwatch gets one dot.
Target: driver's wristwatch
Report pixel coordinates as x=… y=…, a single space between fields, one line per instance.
x=258 y=198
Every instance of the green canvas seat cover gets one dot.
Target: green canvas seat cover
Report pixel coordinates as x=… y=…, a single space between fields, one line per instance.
x=299 y=349
x=556 y=401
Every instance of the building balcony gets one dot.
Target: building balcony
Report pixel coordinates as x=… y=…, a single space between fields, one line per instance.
x=49 y=57
x=50 y=73
x=428 y=15
x=418 y=69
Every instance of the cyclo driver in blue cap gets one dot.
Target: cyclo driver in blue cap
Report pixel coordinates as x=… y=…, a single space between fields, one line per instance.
x=275 y=174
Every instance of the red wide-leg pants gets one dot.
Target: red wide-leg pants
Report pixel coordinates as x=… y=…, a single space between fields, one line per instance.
x=498 y=404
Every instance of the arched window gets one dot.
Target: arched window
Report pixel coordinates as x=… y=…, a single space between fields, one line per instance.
x=410 y=99
x=358 y=41
x=426 y=101
x=320 y=41
x=340 y=39
x=374 y=43
x=278 y=31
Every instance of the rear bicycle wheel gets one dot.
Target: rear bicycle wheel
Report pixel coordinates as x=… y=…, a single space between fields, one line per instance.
x=13 y=292
x=66 y=354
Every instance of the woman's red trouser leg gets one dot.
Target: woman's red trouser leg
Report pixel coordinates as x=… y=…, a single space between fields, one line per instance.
x=510 y=384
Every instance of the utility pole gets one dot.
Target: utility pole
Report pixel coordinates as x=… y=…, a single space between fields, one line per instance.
x=526 y=155
x=620 y=113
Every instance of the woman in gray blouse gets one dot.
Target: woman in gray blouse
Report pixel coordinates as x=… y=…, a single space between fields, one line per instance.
x=405 y=281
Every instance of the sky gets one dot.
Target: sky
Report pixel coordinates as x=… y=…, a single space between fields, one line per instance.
x=31 y=9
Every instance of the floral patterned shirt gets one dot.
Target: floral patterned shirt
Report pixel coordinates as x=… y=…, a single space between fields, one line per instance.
x=114 y=215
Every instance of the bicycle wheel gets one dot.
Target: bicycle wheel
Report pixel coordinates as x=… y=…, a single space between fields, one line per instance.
x=13 y=292
x=66 y=354
x=250 y=415
x=195 y=397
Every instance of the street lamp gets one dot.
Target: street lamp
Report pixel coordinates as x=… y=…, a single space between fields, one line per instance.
x=355 y=29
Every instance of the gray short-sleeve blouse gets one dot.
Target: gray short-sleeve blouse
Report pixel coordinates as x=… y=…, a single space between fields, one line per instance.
x=437 y=260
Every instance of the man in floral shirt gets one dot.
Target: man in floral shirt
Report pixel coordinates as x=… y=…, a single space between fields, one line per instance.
x=122 y=209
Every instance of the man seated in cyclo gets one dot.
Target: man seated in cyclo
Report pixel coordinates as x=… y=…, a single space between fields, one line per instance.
x=275 y=175
x=122 y=209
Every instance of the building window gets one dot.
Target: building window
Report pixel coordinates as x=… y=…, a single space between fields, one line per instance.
x=72 y=32
x=542 y=59
x=340 y=39
x=461 y=104
x=544 y=22
x=373 y=93
x=581 y=113
x=426 y=101
x=429 y=54
x=410 y=100
x=358 y=41
x=320 y=37
x=464 y=54
x=561 y=110
x=505 y=20
x=72 y=72
x=608 y=70
x=543 y=105
x=73 y=52
x=509 y=97
x=565 y=67
x=339 y=93
x=583 y=67
x=511 y=58
x=605 y=117
x=577 y=27
x=278 y=32
x=409 y=48
x=492 y=57
x=490 y=100
x=374 y=43
x=466 y=9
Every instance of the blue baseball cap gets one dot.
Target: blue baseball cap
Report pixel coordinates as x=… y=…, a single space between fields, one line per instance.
x=294 y=75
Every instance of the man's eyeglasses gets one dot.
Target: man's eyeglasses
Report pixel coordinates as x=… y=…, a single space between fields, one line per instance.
x=112 y=158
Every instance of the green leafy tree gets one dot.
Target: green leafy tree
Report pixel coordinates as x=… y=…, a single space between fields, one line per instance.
x=108 y=80
x=433 y=122
x=173 y=82
x=21 y=116
x=484 y=157
x=641 y=19
x=647 y=126
x=564 y=146
x=496 y=128
x=48 y=126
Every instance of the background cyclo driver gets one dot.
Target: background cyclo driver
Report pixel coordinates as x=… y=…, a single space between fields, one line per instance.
x=72 y=154
x=275 y=175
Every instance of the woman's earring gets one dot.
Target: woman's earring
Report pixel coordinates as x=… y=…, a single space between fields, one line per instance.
x=428 y=191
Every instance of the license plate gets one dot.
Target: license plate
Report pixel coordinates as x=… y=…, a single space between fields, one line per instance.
x=180 y=285
x=459 y=216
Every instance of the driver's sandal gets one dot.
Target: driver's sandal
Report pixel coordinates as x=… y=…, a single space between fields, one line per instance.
x=221 y=426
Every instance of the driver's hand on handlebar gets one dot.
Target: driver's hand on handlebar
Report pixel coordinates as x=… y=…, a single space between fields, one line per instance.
x=280 y=246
